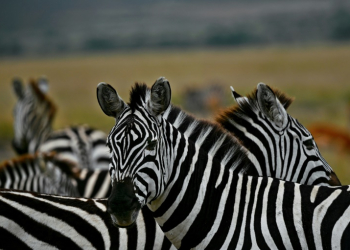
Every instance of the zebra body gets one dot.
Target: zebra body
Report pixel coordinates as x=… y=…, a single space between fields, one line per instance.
x=277 y=143
x=82 y=145
x=200 y=200
x=41 y=172
x=37 y=221
x=33 y=116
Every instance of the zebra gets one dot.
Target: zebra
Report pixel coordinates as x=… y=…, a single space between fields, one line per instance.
x=277 y=143
x=33 y=116
x=199 y=200
x=40 y=172
x=38 y=221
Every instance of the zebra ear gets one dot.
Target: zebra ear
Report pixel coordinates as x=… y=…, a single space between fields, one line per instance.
x=109 y=100
x=270 y=106
x=18 y=87
x=160 y=97
x=43 y=84
x=238 y=98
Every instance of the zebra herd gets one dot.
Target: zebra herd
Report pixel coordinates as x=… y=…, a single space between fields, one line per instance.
x=253 y=179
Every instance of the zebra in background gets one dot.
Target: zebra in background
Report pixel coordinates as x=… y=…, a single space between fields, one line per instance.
x=33 y=116
x=38 y=221
x=40 y=172
x=200 y=201
x=277 y=143
x=46 y=173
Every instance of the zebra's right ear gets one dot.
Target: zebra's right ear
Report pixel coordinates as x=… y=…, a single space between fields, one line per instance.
x=43 y=84
x=270 y=106
x=109 y=100
x=160 y=97
x=17 y=85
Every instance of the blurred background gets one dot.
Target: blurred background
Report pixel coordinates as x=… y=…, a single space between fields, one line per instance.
x=301 y=47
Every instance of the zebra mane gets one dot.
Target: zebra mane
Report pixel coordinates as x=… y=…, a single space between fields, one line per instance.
x=42 y=159
x=223 y=145
x=249 y=105
x=43 y=98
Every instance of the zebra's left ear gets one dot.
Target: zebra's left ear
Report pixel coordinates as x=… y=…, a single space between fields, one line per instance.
x=109 y=100
x=238 y=98
x=160 y=97
x=270 y=106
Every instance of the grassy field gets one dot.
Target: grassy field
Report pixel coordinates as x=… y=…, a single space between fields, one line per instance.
x=319 y=78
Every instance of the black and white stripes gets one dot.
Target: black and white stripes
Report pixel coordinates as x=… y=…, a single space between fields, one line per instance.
x=33 y=116
x=283 y=150
x=36 y=221
x=199 y=199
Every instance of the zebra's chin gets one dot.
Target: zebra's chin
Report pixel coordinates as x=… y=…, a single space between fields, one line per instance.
x=125 y=221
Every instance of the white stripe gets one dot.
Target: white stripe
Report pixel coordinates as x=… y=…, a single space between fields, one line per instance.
x=264 y=228
x=314 y=193
x=123 y=239
x=219 y=215
x=141 y=232
x=91 y=184
x=235 y=213
x=318 y=215
x=244 y=219
x=252 y=232
x=297 y=217
x=338 y=229
x=104 y=188
x=279 y=217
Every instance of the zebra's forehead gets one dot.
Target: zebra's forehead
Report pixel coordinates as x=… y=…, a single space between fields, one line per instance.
x=133 y=122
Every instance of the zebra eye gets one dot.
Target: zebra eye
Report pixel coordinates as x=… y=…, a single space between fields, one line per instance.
x=151 y=144
x=309 y=144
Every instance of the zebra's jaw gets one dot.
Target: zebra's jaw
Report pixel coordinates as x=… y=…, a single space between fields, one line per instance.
x=125 y=221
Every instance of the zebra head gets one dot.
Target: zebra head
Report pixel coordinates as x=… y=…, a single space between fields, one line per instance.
x=136 y=144
x=33 y=114
x=280 y=146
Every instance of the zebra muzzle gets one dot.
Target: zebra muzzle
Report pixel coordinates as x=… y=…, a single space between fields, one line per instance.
x=123 y=205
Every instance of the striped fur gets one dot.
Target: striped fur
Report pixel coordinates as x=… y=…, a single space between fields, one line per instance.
x=37 y=221
x=198 y=199
x=288 y=152
x=41 y=172
x=45 y=173
x=33 y=116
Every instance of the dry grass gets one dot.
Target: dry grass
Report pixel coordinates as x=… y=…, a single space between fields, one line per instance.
x=319 y=78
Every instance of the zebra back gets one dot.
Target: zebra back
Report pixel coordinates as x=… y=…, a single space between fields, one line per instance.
x=38 y=173
x=37 y=221
x=83 y=145
x=278 y=144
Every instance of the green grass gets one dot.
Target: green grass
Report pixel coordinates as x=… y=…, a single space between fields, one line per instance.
x=319 y=78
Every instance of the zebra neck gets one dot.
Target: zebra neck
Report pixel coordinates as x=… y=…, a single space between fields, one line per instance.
x=37 y=138
x=208 y=136
x=197 y=180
